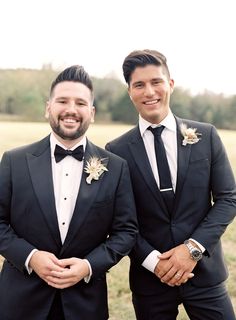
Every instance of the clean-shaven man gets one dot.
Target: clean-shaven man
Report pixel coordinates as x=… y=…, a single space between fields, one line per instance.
x=185 y=198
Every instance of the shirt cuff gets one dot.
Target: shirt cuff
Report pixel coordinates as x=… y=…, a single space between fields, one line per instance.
x=87 y=278
x=29 y=270
x=198 y=244
x=151 y=260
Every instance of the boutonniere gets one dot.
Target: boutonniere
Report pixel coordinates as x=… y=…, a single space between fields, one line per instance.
x=190 y=135
x=94 y=167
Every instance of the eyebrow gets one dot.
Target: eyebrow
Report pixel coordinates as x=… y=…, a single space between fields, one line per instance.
x=138 y=82
x=67 y=98
x=153 y=79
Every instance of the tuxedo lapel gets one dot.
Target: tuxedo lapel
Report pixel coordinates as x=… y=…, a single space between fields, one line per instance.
x=87 y=194
x=40 y=169
x=138 y=151
x=183 y=155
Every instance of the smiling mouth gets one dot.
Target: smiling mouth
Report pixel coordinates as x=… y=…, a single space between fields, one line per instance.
x=151 y=102
x=69 y=120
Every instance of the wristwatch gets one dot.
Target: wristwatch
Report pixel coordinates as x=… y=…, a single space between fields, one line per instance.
x=195 y=253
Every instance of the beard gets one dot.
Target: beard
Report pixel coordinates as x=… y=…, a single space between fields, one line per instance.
x=66 y=134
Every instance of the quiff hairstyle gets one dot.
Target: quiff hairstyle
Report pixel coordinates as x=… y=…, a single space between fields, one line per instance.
x=75 y=73
x=141 y=58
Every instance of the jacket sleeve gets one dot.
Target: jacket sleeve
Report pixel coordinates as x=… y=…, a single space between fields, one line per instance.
x=12 y=247
x=122 y=235
x=223 y=191
x=141 y=248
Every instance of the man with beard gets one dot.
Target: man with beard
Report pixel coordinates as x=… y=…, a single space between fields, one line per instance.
x=67 y=214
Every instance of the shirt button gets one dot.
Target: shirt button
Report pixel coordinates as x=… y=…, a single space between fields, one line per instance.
x=65 y=198
x=63 y=223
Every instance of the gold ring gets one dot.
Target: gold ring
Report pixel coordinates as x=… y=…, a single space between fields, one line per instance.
x=177 y=275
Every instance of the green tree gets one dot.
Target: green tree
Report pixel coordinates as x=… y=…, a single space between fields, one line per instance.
x=124 y=111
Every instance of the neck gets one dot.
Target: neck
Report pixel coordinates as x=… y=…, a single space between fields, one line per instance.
x=68 y=143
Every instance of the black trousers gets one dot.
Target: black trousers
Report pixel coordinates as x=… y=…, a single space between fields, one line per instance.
x=211 y=303
x=56 y=311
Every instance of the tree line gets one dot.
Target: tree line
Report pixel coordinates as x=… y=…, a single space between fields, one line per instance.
x=24 y=92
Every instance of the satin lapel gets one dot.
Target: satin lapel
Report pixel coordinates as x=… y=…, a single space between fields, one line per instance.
x=138 y=151
x=86 y=196
x=41 y=175
x=183 y=155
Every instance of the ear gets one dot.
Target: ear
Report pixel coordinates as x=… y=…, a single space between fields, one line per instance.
x=47 y=110
x=93 y=111
x=130 y=94
x=172 y=84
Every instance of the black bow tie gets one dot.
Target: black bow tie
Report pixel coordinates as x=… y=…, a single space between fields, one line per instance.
x=61 y=153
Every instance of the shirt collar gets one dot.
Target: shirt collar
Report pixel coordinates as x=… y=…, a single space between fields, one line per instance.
x=169 y=122
x=54 y=141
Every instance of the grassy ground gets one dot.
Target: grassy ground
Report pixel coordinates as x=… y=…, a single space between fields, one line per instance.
x=15 y=134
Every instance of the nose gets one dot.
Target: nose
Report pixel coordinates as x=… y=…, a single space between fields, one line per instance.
x=149 y=90
x=71 y=106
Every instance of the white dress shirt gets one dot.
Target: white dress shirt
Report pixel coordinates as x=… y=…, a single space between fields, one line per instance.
x=66 y=176
x=169 y=138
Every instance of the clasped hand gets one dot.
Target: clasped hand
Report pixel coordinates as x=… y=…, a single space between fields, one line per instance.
x=58 y=273
x=175 y=266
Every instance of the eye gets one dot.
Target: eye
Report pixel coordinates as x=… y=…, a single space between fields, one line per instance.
x=81 y=103
x=62 y=101
x=138 y=85
x=156 y=82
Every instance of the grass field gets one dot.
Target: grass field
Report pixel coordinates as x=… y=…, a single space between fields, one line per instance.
x=15 y=134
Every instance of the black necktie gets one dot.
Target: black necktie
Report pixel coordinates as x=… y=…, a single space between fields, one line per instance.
x=166 y=188
x=61 y=153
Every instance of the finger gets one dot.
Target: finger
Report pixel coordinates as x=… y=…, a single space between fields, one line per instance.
x=59 y=281
x=67 y=262
x=162 y=271
x=178 y=275
x=166 y=255
x=185 y=279
x=59 y=286
x=66 y=273
x=170 y=276
x=54 y=265
x=177 y=279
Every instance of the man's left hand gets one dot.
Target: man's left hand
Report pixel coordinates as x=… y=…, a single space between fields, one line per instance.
x=75 y=270
x=181 y=265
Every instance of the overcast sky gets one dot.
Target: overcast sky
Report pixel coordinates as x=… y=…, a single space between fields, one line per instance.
x=196 y=36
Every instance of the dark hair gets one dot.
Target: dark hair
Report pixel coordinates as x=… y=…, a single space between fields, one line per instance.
x=74 y=73
x=141 y=58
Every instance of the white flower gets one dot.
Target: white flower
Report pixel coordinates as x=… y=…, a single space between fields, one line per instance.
x=94 y=167
x=190 y=135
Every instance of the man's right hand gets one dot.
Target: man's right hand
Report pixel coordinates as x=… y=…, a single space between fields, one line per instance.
x=163 y=267
x=43 y=262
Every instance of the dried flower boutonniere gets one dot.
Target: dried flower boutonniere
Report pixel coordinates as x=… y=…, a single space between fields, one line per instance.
x=190 y=135
x=94 y=167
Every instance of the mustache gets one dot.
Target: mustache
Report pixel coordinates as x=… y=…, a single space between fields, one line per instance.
x=71 y=116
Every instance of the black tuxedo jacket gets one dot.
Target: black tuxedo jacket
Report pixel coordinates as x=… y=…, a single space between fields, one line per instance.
x=205 y=203
x=103 y=230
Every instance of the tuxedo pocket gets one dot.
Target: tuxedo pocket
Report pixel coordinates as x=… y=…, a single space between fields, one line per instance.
x=198 y=173
x=202 y=160
x=103 y=203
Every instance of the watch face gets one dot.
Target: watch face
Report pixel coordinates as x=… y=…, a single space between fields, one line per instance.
x=196 y=254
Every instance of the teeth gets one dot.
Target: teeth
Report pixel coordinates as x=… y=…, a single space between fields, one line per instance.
x=69 y=120
x=152 y=102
